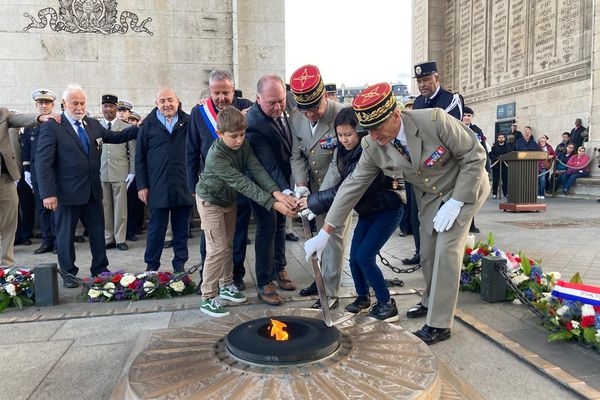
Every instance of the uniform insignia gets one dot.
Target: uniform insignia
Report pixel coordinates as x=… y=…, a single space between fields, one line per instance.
x=364 y=143
x=435 y=156
x=99 y=143
x=328 y=143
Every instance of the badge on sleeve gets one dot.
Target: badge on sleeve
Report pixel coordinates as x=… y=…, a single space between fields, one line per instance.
x=435 y=156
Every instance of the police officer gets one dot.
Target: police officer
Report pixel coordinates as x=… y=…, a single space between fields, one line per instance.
x=44 y=102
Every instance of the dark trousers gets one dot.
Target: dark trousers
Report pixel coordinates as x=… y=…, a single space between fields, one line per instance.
x=269 y=244
x=26 y=219
x=157 y=228
x=45 y=218
x=240 y=240
x=567 y=180
x=413 y=216
x=496 y=180
x=91 y=215
x=370 y=235
x=135 y=210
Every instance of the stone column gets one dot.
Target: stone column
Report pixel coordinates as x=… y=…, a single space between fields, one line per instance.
x=258 y=42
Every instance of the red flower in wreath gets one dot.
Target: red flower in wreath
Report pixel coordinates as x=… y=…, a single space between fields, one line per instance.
x=588 y=321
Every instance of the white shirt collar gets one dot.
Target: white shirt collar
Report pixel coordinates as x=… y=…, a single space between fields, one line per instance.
x=436 y=92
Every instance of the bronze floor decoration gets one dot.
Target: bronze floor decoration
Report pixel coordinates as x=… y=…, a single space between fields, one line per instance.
x=375 y=360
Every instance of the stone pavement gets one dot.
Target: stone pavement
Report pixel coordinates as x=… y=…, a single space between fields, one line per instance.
x=77 y=350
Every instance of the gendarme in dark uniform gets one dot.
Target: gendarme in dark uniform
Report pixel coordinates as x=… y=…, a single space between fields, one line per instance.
x=452 y=103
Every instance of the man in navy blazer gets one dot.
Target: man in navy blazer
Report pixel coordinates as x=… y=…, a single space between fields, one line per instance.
x=68 y=172
x=270 y=136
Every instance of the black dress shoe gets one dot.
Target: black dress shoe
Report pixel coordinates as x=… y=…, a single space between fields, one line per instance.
x=309 y=291
x=25 y=242
x=291 y=237
x=431 y=335
x=44 y=248
x=402 y=234
x=239 y=284
x=78 y=239
x=415 y=259
x=168 y=244
x=417 y=311
x=122 y=246
x=132 y=238
x=70 y=282
x=111 y=245
x=332 y=302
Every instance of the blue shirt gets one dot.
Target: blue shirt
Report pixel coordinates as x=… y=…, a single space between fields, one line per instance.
x=72 y=122
x=166 y=123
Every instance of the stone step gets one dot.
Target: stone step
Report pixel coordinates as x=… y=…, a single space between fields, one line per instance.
x=586 y=188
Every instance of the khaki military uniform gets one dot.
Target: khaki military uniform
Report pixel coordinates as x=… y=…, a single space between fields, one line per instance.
x=312 y=155
x=459 y=174
x=116 y=162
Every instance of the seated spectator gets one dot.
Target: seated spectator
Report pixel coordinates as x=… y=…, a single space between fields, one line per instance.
x=544 y=165
x=578 y=166
x=562 y=161
x=527 y=142
x=562 y=146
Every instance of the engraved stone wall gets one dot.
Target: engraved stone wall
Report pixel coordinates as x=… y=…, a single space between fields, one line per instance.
x=535 y=53
x=103 y=46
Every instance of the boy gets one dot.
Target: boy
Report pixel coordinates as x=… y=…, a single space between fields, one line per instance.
x=228 y=158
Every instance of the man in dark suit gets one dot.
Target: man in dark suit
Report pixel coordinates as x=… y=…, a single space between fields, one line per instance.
x=270 y=137
x=578 y=134
x=162 y=180
x=68 y=171
x=201 y=134
x=44 y=102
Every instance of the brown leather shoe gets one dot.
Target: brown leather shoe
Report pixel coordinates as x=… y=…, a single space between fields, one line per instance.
x=268 y=294
x=284 y=282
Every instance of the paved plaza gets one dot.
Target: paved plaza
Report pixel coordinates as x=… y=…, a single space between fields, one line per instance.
x=78 y=350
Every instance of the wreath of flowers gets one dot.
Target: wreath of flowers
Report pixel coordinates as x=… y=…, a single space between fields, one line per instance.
x=121 y=285
x=16 y=287
x=567 y=319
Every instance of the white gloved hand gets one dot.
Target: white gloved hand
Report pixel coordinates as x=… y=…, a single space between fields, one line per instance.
x=307 y=213
x=288 y=192
x=316 y=245
x=446 y=215
x=302 y=191
x=129 y=179
x=27 y=176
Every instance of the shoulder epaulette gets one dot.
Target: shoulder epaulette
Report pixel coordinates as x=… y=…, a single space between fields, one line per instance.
x=434 y=114
x=364 y=143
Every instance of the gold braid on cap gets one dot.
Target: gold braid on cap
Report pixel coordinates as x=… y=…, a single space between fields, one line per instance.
x=312 y=95
x=367 y=118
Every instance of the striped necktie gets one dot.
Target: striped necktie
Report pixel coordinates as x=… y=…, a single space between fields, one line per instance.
x=401 y=149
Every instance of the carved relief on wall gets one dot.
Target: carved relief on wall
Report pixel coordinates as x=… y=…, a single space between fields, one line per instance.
x=87 y=16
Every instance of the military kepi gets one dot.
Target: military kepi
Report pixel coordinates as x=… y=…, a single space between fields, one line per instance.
x=426 y=68
x=307 y=86
x=43 y=95
x=374 y=104
x=109 y=99
x=331 y=88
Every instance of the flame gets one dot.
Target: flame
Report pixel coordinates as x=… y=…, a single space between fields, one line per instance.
x=276 y=329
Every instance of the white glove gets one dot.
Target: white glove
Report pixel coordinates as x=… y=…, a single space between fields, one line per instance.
x=307 y=213
x=446 y=215
x=28 y=179
x=302 y=191
x=316 y=245
x=288 y=192
x=129 y=179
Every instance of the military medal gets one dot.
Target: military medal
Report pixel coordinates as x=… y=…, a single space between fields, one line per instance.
x=435 y=156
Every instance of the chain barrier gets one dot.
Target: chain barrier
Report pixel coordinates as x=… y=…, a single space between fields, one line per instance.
x=177 y=276
x=395 y=281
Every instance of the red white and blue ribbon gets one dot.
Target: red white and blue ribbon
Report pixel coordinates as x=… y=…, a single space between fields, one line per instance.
x=209 y=114
x=577 y=292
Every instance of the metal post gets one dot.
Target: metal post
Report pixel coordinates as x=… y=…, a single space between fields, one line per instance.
x=493 y=284
x=46 y=284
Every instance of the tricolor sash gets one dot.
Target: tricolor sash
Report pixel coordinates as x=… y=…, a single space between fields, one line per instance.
x=209 y=114
x=577 y=292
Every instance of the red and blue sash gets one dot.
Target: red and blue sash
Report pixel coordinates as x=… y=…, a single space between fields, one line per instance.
x=209 y=114
x=577 y=292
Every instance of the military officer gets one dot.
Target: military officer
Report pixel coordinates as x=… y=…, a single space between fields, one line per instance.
x=135 y=207
x=124 y=108
x=331 y=90
x=44 y=102
x=117 y=170
x=444 y=161
x=314 y=140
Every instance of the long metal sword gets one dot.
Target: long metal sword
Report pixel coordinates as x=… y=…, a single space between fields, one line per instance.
x=318 y=275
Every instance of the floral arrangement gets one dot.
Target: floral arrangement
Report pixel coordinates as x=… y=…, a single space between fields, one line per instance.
x=121 y=285
x=571 y=310
x=16 y=288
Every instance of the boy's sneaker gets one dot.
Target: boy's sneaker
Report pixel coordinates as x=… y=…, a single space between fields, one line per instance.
x=213 y=308
x=360 y=304
x=231 y=293
x=385 y=312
